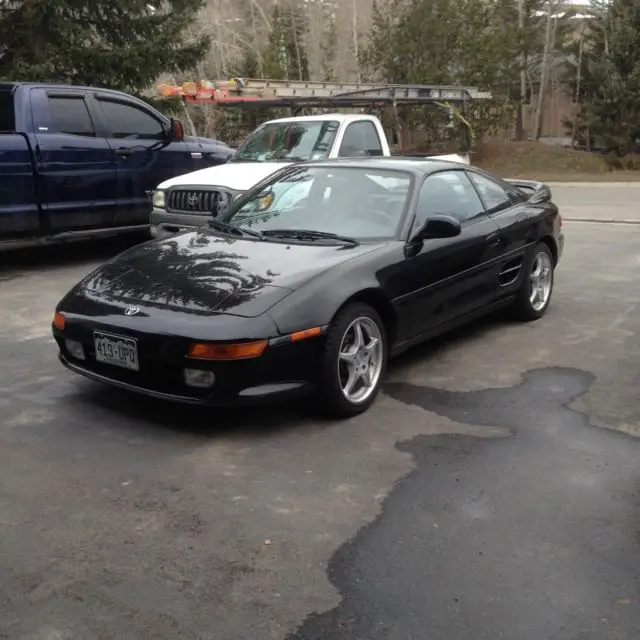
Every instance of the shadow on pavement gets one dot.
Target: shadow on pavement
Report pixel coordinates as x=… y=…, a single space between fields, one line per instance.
x=131 y=412
x=476 y=330
x=67 y=254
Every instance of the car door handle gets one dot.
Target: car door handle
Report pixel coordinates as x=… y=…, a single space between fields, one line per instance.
x=494 y=240
x=123 y=151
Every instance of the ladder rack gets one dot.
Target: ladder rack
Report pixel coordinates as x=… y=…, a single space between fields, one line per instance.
x=239 y=92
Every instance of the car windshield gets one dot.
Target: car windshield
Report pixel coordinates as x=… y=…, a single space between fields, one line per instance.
x=291 y=140
x=356 y=202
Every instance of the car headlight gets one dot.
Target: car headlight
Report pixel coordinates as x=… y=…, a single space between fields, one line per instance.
x=158 y=199
x=265 y=202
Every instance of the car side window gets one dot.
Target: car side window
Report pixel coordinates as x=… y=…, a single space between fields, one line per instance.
x=7 y=112
x=71 y=115
x=495 y=198
x=449 y=193
x=358 y=137
x=126 y=121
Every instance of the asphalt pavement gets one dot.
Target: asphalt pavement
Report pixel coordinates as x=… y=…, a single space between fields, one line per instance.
x=491 y=492
x=598 y=201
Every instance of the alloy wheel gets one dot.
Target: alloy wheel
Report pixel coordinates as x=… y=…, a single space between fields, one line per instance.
x=541 y=280
x=360 y=359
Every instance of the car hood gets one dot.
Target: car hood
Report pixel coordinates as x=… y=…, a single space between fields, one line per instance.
x=238 y=176
x=202 y=273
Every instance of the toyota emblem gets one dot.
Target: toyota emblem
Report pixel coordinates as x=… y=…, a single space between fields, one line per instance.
x=131 y=310
x=193 y=200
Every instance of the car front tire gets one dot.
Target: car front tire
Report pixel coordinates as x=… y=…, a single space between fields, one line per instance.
x=532 y=300
x=353 y=363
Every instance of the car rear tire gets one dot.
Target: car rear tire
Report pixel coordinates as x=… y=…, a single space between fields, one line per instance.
x=532 y=300
x=353 y=363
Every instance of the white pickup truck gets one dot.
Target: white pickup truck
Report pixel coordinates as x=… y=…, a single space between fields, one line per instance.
x=187 y=201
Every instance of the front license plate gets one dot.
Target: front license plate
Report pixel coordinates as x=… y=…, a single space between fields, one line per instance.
x=116 y=350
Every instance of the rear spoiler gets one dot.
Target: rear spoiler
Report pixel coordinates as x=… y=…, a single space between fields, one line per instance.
x=536 y=192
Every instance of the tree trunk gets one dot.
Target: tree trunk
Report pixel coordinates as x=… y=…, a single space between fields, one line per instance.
x=520 y=116
x=354 y=35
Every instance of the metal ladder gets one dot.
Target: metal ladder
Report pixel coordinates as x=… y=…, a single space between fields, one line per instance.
x=304 y=89
x=258 y=90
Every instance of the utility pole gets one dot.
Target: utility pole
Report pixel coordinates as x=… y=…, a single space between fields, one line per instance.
x=549 y=38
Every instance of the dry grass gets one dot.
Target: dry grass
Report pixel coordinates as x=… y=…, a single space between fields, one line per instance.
x=538 y=161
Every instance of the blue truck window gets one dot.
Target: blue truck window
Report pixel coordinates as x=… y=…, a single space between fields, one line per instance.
x=127 y=121
x=7 y=115
x=70 y=115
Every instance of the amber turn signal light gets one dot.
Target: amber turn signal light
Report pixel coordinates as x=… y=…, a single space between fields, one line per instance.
x=240 y=351
x=59 y=321
x=306 y=333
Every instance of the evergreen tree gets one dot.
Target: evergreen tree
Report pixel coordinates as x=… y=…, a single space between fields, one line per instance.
x=122 y=44
x=610 y=87
x=448 y=42
x=452 y=41
x=462 y=42
x=286 y=56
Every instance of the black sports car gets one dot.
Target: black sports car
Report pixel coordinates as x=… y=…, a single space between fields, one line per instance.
x=311 y=280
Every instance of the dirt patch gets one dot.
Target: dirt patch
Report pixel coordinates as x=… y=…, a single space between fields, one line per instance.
x=538 y=161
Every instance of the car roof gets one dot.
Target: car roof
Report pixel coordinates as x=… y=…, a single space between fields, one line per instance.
x=417 y=166
x=62 y=87
x=324 y=117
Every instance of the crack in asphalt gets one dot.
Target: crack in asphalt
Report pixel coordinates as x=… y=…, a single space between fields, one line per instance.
x=532 y=536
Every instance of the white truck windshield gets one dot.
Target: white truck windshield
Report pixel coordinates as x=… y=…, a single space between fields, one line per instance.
x=292 y=140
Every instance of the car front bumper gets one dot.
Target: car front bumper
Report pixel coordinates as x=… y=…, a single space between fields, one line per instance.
x=164 y=223
x=285 y=369
x=560 y=241
x=250 y=395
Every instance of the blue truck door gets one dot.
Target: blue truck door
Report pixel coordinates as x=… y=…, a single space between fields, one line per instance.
x=145 y=156
x=19 y=211
x=75 y=168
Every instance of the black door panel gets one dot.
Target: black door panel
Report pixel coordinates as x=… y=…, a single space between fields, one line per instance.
x=451 y=277
x=454 y=276
x=515 y=218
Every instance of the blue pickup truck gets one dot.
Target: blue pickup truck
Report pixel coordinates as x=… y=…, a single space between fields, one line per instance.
x=81 y=161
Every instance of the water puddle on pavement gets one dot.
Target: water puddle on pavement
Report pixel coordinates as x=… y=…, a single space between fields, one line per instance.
x=529 y=536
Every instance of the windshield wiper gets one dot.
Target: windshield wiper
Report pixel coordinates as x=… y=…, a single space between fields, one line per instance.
x=229 y=228
x=236 y=159
x=309 y=234
x=285 y=158
x=273 y=159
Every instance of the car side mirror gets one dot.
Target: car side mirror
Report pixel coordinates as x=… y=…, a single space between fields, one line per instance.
x=439 y=226
x=176 y=131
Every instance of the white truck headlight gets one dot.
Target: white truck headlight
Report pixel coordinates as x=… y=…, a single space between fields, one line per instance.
x=158 y=199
